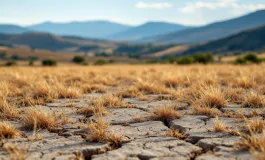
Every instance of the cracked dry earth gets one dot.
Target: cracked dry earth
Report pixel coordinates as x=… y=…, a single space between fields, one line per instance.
x=142 y=139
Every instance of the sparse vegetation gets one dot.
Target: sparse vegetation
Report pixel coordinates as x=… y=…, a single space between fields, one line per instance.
x=49 y=62
x=8 y=131
x=78 y=59
x=93 y=94
x=163 y=113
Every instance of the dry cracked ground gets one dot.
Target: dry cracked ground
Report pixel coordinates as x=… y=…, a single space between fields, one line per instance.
x=161 y=113
x=142 y=137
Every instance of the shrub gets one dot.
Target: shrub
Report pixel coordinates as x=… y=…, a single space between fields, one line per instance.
x=11 y=63
x=78 y=59
x=240 y=60
x=248 y=58
x=185 y=60
x=100 y=62
x=49 y=62
x=251 y=57
x=203 y=58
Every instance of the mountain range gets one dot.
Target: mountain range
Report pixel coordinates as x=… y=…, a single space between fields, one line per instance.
x=147 y=30
x=97 y=29
x=89 y=29
x=212 y=31
x=239 y=34
x=150 y=32
x=249 y=40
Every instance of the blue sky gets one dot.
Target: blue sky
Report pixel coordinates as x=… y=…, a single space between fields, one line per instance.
x=132 y=12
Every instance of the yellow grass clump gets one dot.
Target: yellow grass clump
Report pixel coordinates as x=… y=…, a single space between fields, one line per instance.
x=254 y=100
x=37 y=118
x=8 y=131
x=163 y=113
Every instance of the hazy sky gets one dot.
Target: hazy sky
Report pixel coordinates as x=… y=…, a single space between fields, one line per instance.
x=133 y=12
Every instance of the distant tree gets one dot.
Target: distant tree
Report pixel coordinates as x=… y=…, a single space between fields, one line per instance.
x=33 y=58
x=240 y=60
x=203 y=58
x=78 y=59
x=15 y=57
x=49 y=62
x=186 y=60
x=11 y=63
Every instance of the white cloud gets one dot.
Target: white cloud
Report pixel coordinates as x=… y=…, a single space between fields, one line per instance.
x=232 y=4
x=144 y=5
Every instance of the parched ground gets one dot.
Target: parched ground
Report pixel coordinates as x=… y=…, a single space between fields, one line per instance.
x=132 y=112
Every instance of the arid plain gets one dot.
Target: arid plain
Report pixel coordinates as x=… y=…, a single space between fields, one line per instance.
x=133 y=112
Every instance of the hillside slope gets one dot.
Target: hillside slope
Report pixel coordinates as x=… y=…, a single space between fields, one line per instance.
x=250 y=40
x=12 y=29
x=213 y=31
x=147 y=30
x=51 y=42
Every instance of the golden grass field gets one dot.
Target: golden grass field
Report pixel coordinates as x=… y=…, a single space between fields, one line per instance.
x=207 y=89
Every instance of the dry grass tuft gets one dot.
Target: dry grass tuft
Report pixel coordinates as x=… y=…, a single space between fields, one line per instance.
x=212 y=97
x=86 y=110
x=244 y=82
x=111 y=101
x=163 y=113
x=68 y=92
x=199 y=110
x=152 y=88
x=37 y=118
x=254 y=100
x=254 y=143
x=256 y=125
x=98 y=133
x=6 y=109
x=234 y=95
x=8 y=131
x=130 y=92
x=219 y=126
x=16 y=153
x=93 y=88
x=176 y=133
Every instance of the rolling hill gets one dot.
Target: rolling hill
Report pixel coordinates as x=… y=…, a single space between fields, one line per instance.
x=147 y=30
x=12 y=29
x=249 y=40
x=51 y=42
x=212 y=31
x=89 y=29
